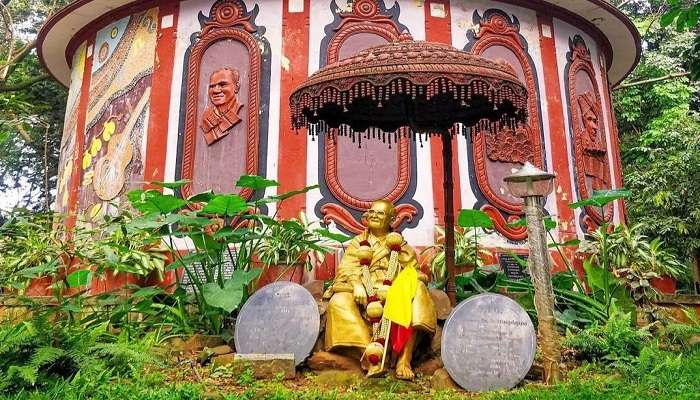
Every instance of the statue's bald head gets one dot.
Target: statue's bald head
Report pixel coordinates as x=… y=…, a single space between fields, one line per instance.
x=380 y=215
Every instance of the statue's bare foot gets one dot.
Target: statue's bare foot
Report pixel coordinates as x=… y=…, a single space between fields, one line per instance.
x=404 y=371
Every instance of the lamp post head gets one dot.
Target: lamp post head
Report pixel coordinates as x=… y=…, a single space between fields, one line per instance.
x=530 y=181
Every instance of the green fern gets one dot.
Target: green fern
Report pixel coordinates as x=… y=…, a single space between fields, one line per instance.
x=26 y=373
x=45 y=356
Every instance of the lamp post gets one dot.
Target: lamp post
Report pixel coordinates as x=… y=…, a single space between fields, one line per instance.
x=532 y=184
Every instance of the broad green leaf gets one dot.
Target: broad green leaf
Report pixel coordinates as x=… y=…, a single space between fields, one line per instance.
x=681 y=20
x=146 y=221
x=669 y=16
x=201 y=197
x=568 y=243
x=563 y=280
x=228 y=205
x=549 y=223
x=286 y=195
x=568 y=318
x=189 y=220
x=172 y=185
x=521 y=222
x=601 y=198
x=227 y=298
x=205 y=243
x=79 y=278
x=261 y=218
x=231 y=295
x=693 y=16
x=474 y=219
x=153 y=201
x=240 y=277
x=338 y=237
x=527 y=301
x=255 y=182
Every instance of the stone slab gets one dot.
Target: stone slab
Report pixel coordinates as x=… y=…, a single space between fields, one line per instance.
x=488 y=343
x=223 y=360
x=280 y=318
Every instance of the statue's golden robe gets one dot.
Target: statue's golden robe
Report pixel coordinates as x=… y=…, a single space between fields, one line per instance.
x=346 y=322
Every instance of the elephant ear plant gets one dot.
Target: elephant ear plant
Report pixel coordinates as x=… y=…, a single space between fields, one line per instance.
x=207 y=231
x=293 y=242
x=467 y=249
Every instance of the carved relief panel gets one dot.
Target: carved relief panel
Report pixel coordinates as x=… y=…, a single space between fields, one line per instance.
x=590 y=149
x=497 y=152
x=224 y=119
x=117 y=111
x=354 y=177
x=68 y=140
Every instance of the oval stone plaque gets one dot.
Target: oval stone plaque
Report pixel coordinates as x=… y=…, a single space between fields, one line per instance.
x=280 y=318
x=488 y=343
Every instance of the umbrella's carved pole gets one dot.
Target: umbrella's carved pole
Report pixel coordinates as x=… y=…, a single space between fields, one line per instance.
x=449 y=215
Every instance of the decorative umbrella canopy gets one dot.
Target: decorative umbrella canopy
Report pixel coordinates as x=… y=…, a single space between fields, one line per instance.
x=423 y=86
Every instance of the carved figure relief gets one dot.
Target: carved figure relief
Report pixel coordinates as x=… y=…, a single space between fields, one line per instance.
x=117 y=112
x=588 y=132
x=110 y=170
x=356 y=177
x=594 y=151
x=225 y=109
x=222 y=112
x=497 y=151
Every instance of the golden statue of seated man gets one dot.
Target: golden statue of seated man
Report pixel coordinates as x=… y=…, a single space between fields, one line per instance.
x=379 y=297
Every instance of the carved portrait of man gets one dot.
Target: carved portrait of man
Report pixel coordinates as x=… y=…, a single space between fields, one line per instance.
x=222 y=110
x=595 y=153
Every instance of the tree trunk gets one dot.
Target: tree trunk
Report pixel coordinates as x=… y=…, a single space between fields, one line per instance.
x=47 y=194
x=696 y=270
x=540 y=271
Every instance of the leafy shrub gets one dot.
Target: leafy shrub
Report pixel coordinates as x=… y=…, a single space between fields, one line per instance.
x=683 y=336
x=613 y=342
x=40 y=351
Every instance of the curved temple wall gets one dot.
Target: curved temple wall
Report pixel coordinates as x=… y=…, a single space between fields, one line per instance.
x=140 y=109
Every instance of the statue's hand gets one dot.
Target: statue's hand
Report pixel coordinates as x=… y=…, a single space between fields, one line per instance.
x=360 y=294
x=423 y=277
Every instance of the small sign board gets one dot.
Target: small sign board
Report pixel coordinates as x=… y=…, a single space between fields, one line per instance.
x=511 y=265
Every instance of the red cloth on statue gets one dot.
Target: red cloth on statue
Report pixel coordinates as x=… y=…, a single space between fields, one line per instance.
x=399 y=337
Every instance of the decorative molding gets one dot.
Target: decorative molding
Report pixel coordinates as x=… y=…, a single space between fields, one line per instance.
x=228 y=19
x=505 y=144
x=501 y=224
x=338 y=214
x=366 y=16
x=584 y=146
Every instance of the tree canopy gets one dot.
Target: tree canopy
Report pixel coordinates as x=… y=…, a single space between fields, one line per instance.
x=658 y=117
x=32 y=107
